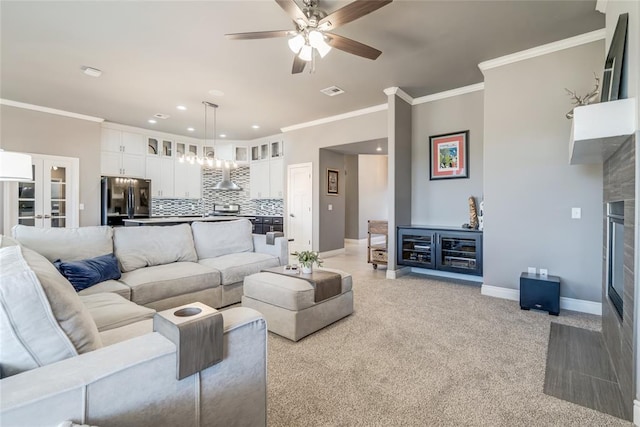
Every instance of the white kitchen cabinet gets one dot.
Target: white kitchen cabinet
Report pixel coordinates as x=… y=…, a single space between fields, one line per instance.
x=277 y=149
x=241 y=154
x=122 y=153
x=160 y=147
x=160 y=170
x=49 y=199
x=186 y=150
x=260 y=152
x=267 y=179
x=276 y=178
x=188 y=180
x=259 y=180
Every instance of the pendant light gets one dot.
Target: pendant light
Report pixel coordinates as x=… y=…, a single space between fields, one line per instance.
x=226 y=183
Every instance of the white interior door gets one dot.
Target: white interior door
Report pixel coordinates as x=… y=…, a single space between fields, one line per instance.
x=299 y=204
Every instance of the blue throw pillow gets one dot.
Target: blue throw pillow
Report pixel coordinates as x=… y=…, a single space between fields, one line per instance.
x=88 y=272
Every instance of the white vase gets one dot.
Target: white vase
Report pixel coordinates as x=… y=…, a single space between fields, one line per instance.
x=306 y=269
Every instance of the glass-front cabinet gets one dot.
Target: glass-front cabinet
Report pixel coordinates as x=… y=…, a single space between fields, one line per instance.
x=441 y=249
x=49 y=199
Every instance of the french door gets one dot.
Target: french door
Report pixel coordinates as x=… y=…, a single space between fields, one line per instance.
x=49 y=199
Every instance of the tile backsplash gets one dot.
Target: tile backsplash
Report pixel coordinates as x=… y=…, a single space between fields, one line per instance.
x=210 y=176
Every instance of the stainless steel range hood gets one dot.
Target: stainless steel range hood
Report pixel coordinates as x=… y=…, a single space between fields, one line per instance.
x=226 y=183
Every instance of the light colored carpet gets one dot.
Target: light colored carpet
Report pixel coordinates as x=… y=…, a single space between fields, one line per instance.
x=422 y=352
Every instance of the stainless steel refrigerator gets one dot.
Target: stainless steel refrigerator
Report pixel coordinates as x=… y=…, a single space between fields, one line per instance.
x=124 y=198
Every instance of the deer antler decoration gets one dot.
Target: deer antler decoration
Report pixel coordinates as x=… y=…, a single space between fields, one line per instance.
x=583 y=100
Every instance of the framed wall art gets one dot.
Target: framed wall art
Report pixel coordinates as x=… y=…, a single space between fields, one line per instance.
x=332 y=182
x=449 y=156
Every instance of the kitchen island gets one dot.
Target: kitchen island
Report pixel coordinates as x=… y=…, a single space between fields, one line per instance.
x=174 y=220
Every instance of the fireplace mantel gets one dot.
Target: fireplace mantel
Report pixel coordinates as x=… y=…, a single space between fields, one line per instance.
x=598 y=130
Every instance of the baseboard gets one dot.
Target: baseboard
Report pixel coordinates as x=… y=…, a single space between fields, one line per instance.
x=636 y=412
x=447 y=274
x=395 y=274
x=572 y=304
x=356 y=241
x=498 y=292
x=329 y=254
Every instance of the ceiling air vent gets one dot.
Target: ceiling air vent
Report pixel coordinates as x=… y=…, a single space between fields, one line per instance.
x=161 y=116
x=332 y=91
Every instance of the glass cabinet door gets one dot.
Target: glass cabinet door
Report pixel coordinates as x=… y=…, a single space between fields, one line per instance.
x=49 y=198
x=27 y=194
x=55 y=214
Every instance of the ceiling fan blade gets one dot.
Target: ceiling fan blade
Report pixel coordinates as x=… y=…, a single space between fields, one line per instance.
x=352 y=46
x=293 y=11
x=351 y=12
x=298 y=65
x=260 y=35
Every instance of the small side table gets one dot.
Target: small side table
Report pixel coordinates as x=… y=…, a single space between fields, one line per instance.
x=540 y=293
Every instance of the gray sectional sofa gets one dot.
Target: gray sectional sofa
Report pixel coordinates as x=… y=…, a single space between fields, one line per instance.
x=92 y=357
x=165 y=266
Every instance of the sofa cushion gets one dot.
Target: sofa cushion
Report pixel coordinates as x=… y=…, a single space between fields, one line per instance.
x=6 y=241
x=88 y=272
x=113 y=286
x=164 y=281
x=234 y=267
x=138 y=247
x=66 y=244
x=213 y=239
x=111 y=311
x=42 y=320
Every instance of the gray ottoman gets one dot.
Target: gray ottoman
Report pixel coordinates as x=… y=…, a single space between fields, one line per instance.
x=287 y=303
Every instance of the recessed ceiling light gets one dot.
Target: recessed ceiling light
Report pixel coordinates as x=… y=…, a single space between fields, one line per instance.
x=216 y=92
x=379 y=148
x=190 y=129
x=161 y=116
x=255 y=126
x=181 y=107
x=223 y=135
x=152 y=121
x=93 y=72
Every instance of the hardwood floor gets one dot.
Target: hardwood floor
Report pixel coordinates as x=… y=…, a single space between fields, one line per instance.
x=579 y=371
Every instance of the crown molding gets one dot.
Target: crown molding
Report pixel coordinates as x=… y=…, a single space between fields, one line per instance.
x=400 y=93
x=543 y=50
x=336 y=118
x=449 y=93
x=48 y=110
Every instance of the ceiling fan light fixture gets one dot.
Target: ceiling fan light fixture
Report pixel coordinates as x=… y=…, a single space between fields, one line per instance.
x=296 y=43
x=323 y=49
x=306 y=53
x=315 y=38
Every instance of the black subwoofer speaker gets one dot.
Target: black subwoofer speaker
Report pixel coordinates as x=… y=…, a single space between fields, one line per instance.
x=540 y=293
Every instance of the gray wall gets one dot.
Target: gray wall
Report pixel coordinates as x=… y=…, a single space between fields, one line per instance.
x=373 y=187
x=445 y=202
x=352 y=197
x=42 y=133
x=399 y=192
x=331 y=221
x=303 y=146
x=529 y=186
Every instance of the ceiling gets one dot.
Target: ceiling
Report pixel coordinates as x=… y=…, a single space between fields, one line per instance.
x=157 y=55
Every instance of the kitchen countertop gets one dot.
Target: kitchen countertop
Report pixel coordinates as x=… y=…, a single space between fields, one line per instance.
x=178 y=219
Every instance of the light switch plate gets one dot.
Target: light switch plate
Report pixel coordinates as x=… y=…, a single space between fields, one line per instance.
x=330 y=207
x=531 y=270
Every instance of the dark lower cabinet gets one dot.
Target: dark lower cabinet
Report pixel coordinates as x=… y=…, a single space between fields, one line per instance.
x=265 y=224
x=457 y=251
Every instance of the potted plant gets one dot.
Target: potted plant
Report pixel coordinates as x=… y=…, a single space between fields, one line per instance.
x=306 y=260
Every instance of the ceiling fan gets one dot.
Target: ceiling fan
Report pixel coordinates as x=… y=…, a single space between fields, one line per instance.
x=312 y=35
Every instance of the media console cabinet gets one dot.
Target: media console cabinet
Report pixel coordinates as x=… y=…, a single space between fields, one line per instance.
x=456 y=250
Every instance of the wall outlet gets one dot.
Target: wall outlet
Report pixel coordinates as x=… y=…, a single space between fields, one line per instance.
x=543 y=272
x=576 y=213
x=531 y=270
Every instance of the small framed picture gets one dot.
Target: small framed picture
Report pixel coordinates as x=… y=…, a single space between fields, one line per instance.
x=332 y=182
x=449 y=156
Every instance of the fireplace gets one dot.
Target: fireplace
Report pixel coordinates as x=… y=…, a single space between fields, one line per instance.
x=615 y=255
